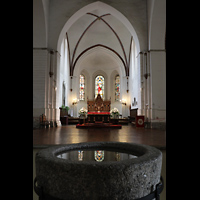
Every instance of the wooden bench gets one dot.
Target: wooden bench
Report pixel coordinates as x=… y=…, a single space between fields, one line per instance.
x=123 y=121
x=73 y=120
x=43 y=122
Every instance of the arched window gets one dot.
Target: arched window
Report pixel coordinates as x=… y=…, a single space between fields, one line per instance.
x=82 y=88
x=99 y=86
x=117 y=88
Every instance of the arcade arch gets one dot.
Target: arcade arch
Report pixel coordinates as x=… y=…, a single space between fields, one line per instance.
x=87 y=46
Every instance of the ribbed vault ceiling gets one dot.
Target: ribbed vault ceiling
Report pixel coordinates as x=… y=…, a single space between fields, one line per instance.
x=98 y=29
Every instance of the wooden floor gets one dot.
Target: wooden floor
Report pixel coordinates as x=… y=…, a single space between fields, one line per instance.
x=70 y=134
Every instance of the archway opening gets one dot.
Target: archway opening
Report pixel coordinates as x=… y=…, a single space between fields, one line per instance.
x=92 y=36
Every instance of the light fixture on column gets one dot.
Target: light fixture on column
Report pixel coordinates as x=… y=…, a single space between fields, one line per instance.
x=123 y=101
x=75 y=101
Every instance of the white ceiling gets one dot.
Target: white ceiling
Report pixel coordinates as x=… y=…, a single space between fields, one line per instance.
x=99 y=33
x=99 y=59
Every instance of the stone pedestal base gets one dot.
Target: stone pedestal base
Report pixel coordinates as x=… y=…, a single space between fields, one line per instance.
x=129 y=179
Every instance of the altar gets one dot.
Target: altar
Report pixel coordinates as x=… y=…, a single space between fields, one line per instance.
x=100 y=116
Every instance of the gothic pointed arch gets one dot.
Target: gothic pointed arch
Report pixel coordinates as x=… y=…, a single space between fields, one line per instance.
x=78 y=47
x=91 y=7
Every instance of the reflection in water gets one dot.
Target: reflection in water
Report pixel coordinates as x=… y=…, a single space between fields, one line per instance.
x=80 y=155
x=98 y=155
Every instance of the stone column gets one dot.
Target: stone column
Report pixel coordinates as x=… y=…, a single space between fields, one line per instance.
x=145 y=83
x=40 y=65
x=158 y=88
x=142 y=82
x=53 y=91
x=57 y=90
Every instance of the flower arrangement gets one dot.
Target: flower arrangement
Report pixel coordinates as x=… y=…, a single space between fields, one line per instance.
x=114 y=113
x=83 y=112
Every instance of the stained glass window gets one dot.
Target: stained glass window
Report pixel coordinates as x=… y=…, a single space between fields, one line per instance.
x=117 y=88
x=82 y=88
x=99 y=86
